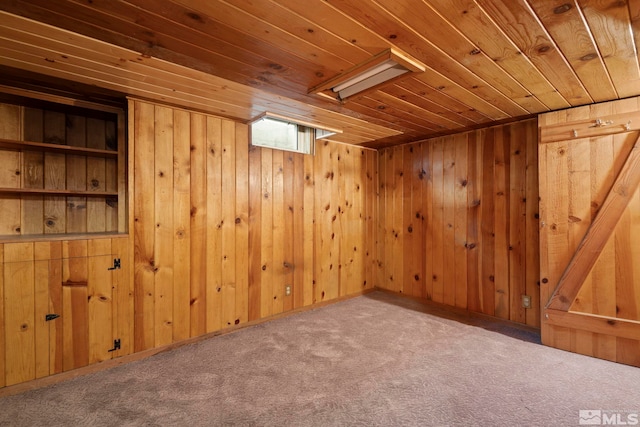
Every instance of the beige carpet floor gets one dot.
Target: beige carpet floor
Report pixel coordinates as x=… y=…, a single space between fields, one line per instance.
x=375 y=360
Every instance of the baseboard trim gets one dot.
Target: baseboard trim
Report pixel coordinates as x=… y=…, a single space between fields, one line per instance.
x=108 y=364
x=457 y=312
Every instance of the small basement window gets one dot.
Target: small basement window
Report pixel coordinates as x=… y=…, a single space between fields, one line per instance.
x=282 y=133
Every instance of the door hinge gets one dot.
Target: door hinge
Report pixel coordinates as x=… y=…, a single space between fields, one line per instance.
x=50 y=317
x=116 y=264
x=116 y=345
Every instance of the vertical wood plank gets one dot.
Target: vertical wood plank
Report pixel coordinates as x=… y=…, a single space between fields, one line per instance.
x=75 y=310
x=242 y=223
x=76 y=169
x=267 y=265
x=357 y=247
x=54 y=282
x=54 y=173
x=517 y=223
x=438 y=220
x=460 y=232
x=448 y=222
x=288 y=264
x=370 y=178
x=100 y=300
x=278 y=260
x=255 y=232
x=299 y=266
x=427 y=165
x=32 y=209
x=10 y=128
x=198 y=225
x=96 y=176
x=603 y=273
x=181 y=225
x=214 y=224
x=418 y=177
x=309 y=233
x=144 y=228
x=487 y=279
x=41 y=308
x=532 y=232
x=410 y=239
x=112 y=178
x=474 y=222
x=556 y=229
x=386 y=218
x=163 y=224
x=397 y=231
x=501 y=222
x=123 y=296
x=3 y=353
x=19 y=319
x=322 y=167
x=228 y=224
x=331 y=194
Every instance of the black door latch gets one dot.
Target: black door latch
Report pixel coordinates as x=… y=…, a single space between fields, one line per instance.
x=50 y=317
x=116 y=264
x=116 y=345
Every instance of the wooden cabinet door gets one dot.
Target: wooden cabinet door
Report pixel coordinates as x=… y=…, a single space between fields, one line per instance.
x=87 y=315
x=75 y=284
x=589 y=167
x=27 y=287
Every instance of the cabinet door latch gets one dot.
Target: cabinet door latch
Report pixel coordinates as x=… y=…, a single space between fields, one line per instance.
x=116 y=345
x=116 y=264
x=50 y=317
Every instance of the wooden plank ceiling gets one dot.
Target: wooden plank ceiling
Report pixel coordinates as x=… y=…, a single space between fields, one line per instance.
x=487 y=61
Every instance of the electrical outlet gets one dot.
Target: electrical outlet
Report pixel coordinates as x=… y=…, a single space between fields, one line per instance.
x=526 y=301
x=287 y=290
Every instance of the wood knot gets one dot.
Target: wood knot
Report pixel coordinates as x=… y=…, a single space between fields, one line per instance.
x=562 y=9
x=589 y=57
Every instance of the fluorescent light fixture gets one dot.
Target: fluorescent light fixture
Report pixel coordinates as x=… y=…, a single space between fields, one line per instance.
x=378 y=71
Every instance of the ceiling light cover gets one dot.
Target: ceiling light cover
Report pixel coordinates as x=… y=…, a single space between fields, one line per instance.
x=374 y=73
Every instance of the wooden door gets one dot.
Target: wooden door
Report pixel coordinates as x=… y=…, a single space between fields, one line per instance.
x=72 y=282
x=589 y=164
x=88 y=312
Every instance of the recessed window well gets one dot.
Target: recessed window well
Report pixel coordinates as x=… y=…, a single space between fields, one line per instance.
x=283 y=133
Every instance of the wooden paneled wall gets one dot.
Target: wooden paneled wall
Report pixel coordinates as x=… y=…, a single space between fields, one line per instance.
x=221 y=229
x=458 y=220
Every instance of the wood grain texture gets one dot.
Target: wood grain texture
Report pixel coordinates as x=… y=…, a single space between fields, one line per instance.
x=473 y=192
x=48 y=157
x=588 y=202
x=259 y=220
x=486 y=60
x=596 y=237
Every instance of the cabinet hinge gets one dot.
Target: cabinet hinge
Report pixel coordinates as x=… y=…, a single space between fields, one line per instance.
x=116 y=264
x=116 y=345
